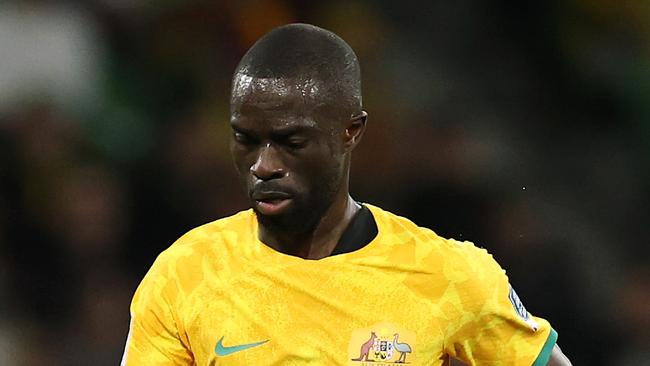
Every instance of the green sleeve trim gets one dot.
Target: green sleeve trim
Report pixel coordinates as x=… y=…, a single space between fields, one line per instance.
x=546 y=351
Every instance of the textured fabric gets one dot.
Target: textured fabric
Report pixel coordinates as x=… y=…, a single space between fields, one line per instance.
x=218 y=296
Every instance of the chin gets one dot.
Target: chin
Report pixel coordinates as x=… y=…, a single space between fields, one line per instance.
x=282 y=222
x=292 y=221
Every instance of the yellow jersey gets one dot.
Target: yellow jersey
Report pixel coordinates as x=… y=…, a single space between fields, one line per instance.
x=219 y=296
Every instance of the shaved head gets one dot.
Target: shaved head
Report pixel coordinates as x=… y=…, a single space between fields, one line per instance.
x=316 y=62
x=295 y=113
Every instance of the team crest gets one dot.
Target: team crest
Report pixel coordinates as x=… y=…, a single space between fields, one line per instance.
x=381 y=344
x=521 y=310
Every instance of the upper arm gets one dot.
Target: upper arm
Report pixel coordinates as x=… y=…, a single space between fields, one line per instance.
x=493 y=327
x=154 y=336
x=558 y=358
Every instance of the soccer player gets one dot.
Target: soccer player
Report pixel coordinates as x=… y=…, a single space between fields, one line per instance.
x=309 y=276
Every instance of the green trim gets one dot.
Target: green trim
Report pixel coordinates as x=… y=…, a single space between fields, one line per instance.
x=546 y=351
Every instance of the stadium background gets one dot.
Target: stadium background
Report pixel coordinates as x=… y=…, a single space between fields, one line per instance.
x=522 y=127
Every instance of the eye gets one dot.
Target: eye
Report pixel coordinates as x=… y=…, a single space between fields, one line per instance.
x=242 y=138
x=295 y=143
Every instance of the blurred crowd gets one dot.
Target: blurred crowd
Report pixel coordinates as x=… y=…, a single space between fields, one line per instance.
x=524 y=128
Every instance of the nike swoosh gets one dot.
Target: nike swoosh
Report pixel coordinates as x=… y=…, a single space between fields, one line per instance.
x=222 y=350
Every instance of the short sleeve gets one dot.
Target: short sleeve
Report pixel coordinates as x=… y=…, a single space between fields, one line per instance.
x=154 y=337
x=491 y=325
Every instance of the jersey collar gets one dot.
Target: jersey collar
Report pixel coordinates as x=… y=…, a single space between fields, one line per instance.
x=361 y=230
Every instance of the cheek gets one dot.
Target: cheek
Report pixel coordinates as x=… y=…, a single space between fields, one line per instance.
x=241 y=161
x=325 y=170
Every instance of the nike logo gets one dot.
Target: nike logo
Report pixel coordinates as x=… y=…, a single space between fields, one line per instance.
x=222 y=350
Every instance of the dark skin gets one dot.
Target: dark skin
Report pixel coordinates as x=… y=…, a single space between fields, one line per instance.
x=286 y=146
x=292 y=153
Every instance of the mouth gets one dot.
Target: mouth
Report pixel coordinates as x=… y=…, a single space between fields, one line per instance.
x=271 y=203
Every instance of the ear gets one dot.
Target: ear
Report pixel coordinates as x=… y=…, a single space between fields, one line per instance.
x=354 y=130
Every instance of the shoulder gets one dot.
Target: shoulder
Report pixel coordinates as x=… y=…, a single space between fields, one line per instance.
x=207 y=241
x=212 y=234
x=456 y=258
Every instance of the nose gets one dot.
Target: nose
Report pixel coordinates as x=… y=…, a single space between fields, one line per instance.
x=268 y=164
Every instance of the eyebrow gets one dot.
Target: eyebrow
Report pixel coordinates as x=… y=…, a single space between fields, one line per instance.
x=279 y=132
x=290 y=130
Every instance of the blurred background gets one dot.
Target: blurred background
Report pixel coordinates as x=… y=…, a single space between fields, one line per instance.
x=524 y=128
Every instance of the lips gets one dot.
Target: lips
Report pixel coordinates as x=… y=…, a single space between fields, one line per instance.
x=271 y=202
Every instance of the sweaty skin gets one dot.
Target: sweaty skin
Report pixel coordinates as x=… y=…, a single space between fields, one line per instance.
x=293 y=157
x=293 y=135
x=296 y=117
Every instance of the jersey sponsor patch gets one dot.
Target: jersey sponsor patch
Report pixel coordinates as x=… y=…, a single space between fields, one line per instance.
x=520 y=309
x=381 y=344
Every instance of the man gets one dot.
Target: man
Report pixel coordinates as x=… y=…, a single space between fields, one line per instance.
x=309 y=276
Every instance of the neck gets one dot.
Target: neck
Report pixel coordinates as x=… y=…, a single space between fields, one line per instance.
x=319 y=242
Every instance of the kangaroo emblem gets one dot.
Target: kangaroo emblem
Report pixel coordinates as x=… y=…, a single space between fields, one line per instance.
x=366 y=347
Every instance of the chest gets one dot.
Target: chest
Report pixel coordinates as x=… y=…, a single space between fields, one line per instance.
x=343 y=314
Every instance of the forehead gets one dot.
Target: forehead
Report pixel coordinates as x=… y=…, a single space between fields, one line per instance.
x=279 y=88
x=304 y=96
